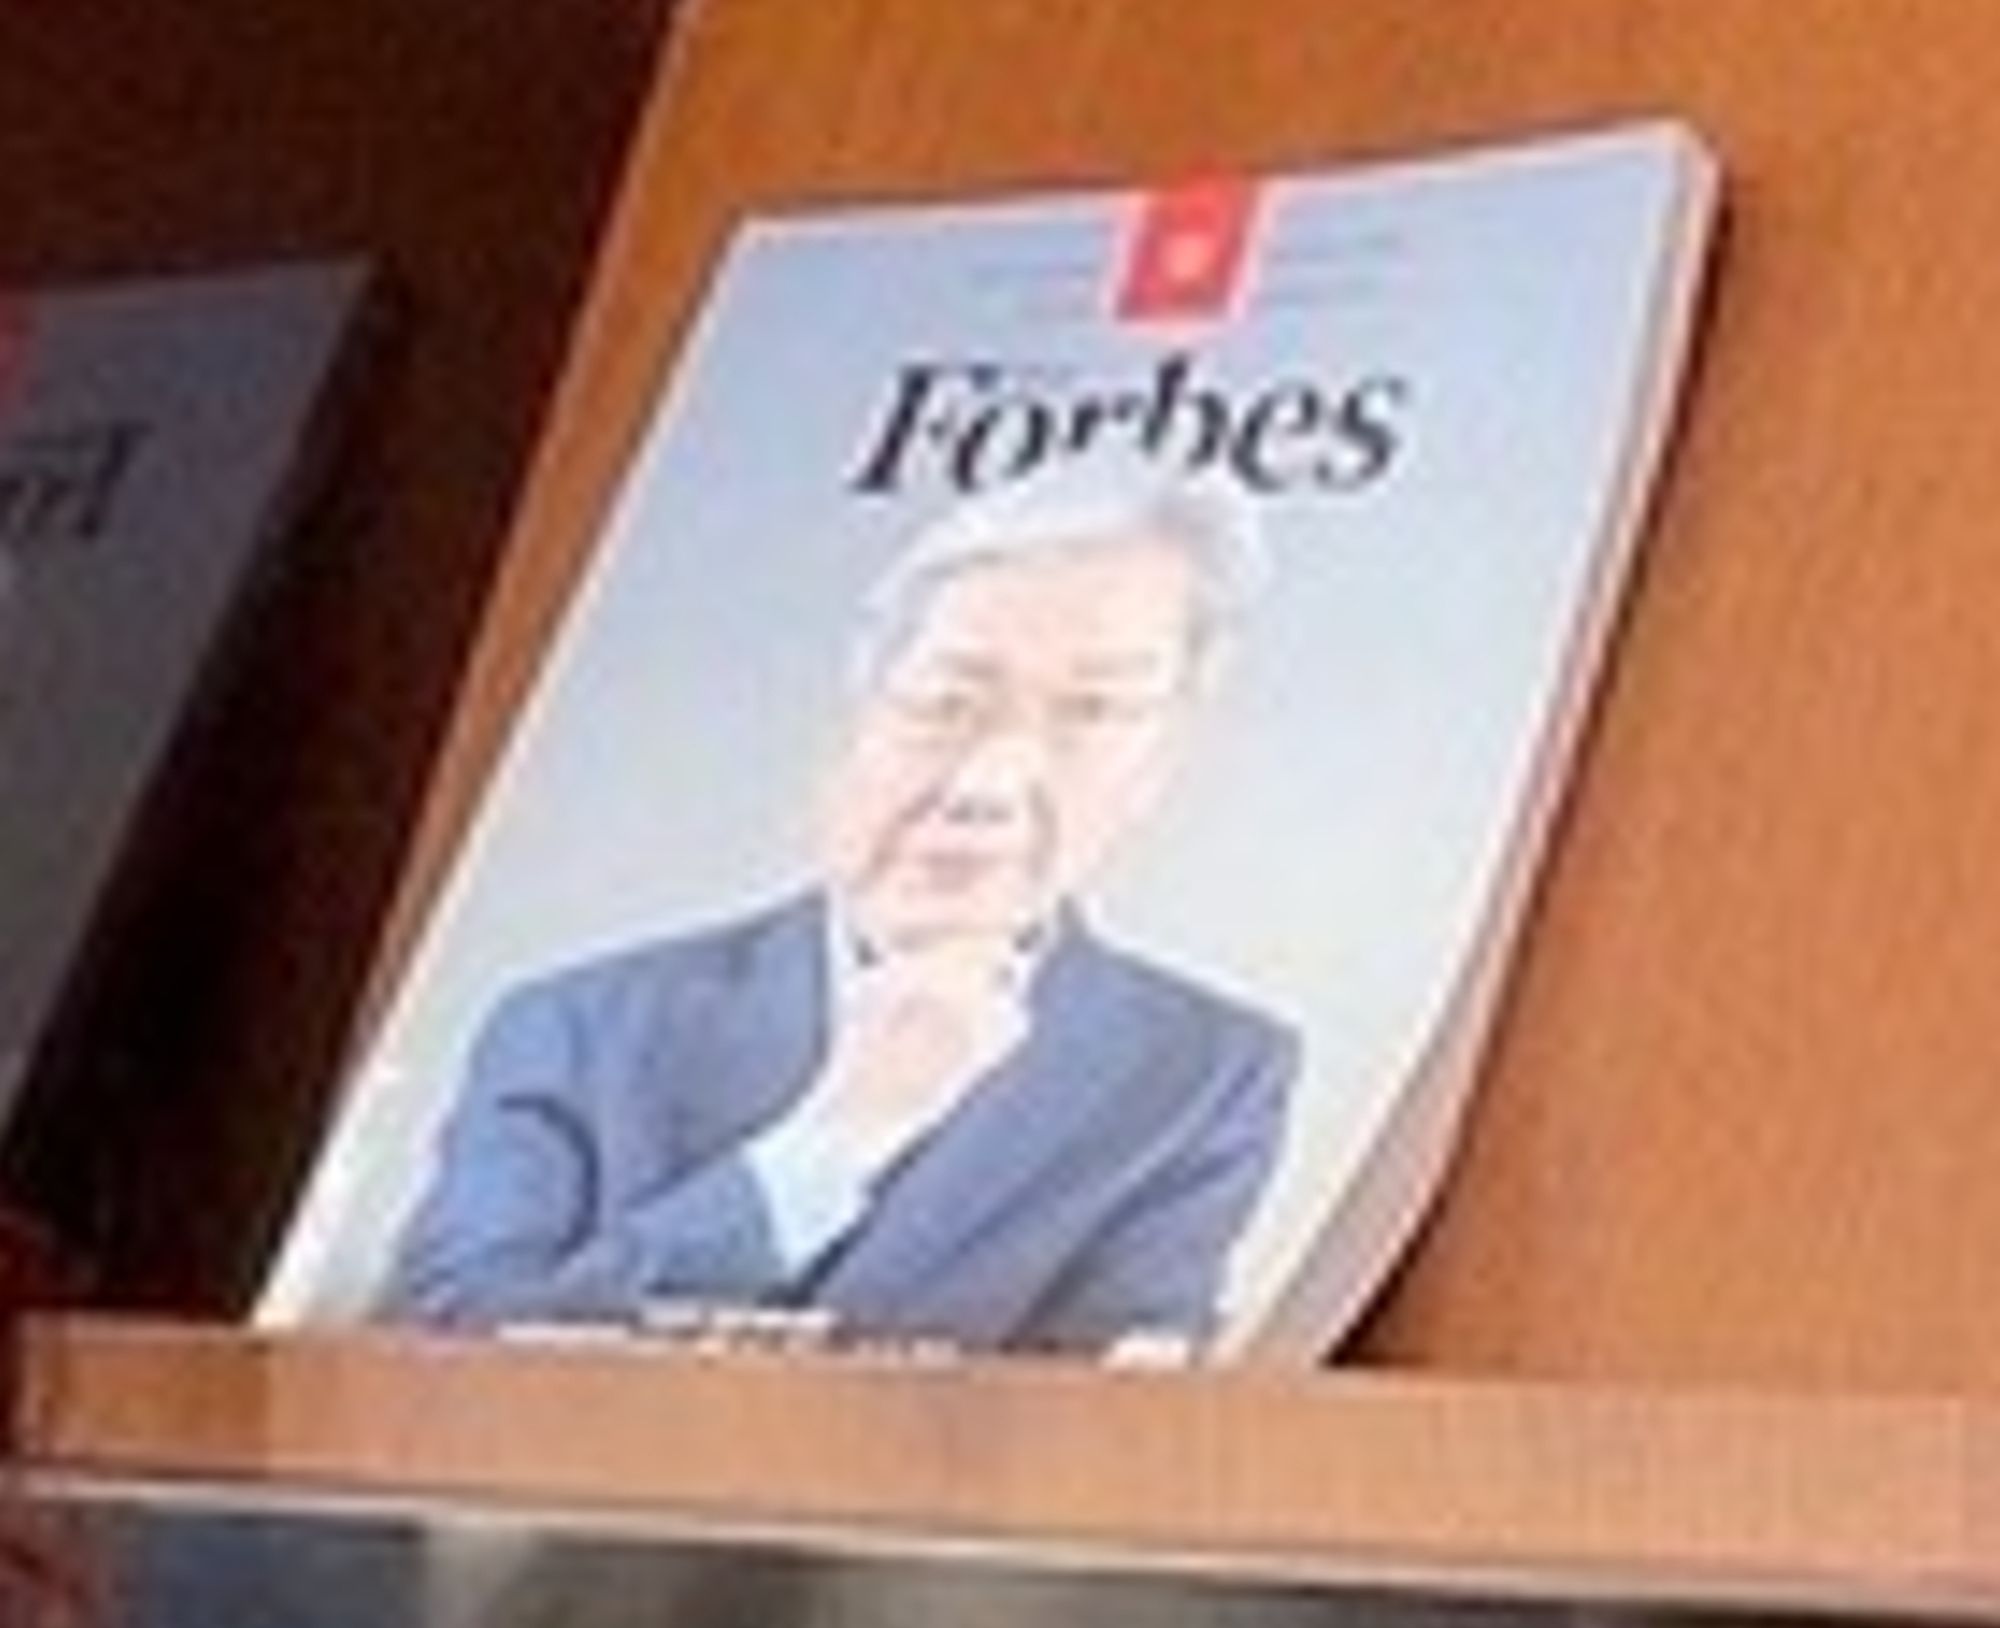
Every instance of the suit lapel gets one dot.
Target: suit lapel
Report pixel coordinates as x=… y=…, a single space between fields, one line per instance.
x=964 y=1189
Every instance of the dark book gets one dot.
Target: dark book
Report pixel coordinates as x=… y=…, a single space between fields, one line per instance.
x=156 y=438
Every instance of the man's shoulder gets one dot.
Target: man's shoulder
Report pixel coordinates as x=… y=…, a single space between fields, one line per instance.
x=723 y=952
x=1172 y=996
x=1199 y=1064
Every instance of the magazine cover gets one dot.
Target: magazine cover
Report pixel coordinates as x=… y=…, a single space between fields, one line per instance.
x=1015 y=842
x=151 y=433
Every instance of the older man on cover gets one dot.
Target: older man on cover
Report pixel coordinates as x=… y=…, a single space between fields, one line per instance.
x=925 y=1099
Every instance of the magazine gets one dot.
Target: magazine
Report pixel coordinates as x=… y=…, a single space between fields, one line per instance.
x=1017 y=837
x=153 y=434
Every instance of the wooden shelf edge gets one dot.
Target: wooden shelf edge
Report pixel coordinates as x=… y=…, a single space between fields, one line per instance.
x=1337 y=1476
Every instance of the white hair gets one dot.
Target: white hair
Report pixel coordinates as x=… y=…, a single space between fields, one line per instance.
x=1069 y=509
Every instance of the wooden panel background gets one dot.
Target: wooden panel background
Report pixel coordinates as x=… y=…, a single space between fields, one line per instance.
x=474 y=156
x=1744 y=1115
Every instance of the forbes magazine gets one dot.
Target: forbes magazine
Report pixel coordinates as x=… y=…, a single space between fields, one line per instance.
x=1017 y=835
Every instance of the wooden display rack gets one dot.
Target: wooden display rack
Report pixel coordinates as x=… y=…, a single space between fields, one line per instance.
x=1558 y=1491
x=1712 y=1304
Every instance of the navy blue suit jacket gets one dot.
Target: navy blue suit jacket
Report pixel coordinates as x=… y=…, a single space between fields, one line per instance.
x=1089 y=1185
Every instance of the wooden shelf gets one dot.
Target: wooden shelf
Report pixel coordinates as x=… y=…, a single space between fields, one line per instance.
x=1354 y=1476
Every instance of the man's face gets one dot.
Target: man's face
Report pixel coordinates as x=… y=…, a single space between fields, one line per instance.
x=1024 y=725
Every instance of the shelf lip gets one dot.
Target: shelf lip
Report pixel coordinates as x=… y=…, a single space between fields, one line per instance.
x=1334 y=1475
